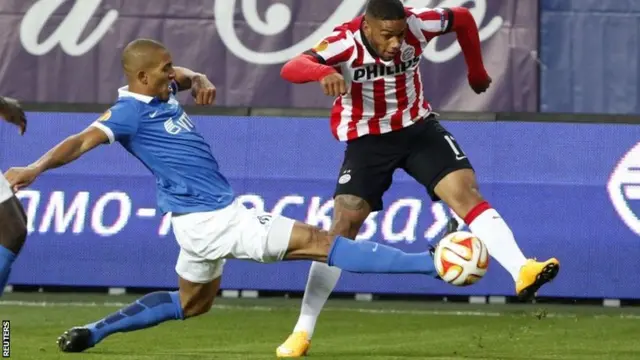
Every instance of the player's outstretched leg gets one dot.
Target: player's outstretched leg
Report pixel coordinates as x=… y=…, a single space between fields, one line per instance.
x=150 y=310
x=459 y=190
x=13 y=233
x=366 y=257
x=145 y=312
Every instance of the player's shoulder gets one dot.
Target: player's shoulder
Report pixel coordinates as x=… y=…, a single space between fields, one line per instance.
x=123 y=109
x=348 y=29
x=340 y=39
x=424 y=18
x=125 y=105
x=425 y=13
x=410 y=11
x=354 y=25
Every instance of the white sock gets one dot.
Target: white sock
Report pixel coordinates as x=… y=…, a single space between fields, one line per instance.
x=489 y=227
x=322 y=279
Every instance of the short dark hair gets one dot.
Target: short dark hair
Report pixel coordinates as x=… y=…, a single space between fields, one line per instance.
x=385 y=9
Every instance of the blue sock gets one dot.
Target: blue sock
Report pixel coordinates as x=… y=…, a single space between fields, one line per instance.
x=6 y=260
x=148 y=311
x=372 y=257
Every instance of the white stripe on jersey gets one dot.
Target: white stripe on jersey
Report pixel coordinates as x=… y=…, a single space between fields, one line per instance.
x=333 y=45
x=346 y=103
x=367 y=108
x=345 y=117
x=414 y=26
x=432 y=20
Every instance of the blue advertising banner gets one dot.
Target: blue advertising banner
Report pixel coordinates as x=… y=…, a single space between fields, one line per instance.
x=566 y=190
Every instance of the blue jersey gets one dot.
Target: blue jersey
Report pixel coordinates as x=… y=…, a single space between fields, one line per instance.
x=162 y=136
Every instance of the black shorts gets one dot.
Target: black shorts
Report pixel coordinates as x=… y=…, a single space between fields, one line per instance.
x=425 y=150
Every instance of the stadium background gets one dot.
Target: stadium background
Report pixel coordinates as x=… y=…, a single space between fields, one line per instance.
x=554 y=141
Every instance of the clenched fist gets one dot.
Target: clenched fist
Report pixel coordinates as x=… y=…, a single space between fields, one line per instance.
x=203 y=90
x=479 y=81
x=333 y=85
x=21 y=177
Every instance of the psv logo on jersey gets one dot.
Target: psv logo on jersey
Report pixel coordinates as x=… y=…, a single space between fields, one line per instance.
x=374 y=71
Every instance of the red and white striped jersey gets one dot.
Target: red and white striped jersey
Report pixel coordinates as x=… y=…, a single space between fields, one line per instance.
x=382 y=96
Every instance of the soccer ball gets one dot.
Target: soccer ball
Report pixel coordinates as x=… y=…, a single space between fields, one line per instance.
x=461 y=259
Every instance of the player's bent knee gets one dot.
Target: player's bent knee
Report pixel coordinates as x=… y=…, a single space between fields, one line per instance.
x=461 y=202
x=321 y=240
x=308 y=243
x=20 y=238
x=459 y=190
x=196 y=307
x=13 y=233
x=348 y=228
x=317 y=240
x=21 y=232
x=197 y=299
x=349 y=214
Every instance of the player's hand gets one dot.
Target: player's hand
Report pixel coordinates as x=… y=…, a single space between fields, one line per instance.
x=11 y=111
x=21 y=177
x=333 y=85
x=203 y=90
x=479 y=81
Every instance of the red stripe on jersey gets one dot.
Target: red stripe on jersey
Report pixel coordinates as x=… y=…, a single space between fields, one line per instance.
x=356 y=96
x=356 y=110
x=429 y=35
x=342 y=57
x=431 y=15
x=353 y=25
x=336 y=116
x=415 y=109
x=340 y=36
x=379 y=106
x=403 y=101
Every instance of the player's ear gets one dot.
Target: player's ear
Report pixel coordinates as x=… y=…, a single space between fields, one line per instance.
x=142 y=77
x=366 y=28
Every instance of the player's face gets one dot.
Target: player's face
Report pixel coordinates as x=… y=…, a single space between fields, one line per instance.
x=385 y=36
x=161 y=75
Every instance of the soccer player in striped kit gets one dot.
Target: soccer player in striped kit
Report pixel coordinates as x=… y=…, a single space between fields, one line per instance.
x=371 y=66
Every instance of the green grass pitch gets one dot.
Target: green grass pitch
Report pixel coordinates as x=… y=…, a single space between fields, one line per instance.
x=252 y=329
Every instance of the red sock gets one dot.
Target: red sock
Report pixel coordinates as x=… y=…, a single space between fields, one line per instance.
x=476 y=211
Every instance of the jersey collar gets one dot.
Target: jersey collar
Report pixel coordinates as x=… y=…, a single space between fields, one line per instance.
x=124 y=92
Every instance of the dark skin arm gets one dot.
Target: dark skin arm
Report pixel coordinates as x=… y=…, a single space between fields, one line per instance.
x=65 y=152
x=11 y=111
x=202 y=89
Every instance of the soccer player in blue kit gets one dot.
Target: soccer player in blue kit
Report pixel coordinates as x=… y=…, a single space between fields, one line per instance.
x=209 y=224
